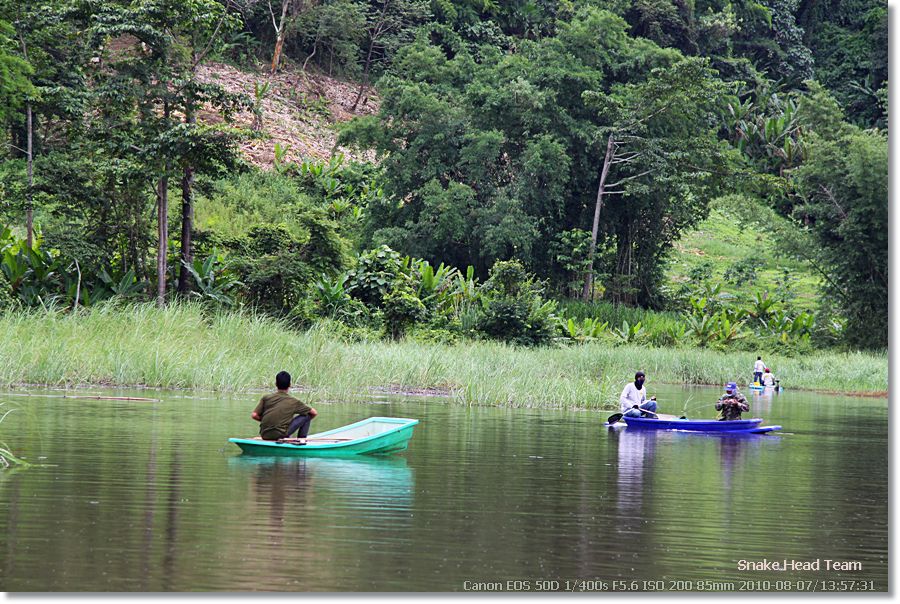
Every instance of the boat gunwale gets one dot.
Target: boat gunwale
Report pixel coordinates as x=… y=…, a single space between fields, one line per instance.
x=694 y=425
x=401 y=422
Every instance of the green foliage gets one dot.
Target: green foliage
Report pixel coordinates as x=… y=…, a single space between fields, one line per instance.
x=587 y=330
x=270 y=264
x=492 y=125
x=628 y=334
x=375 y=275
x=331 y=34
x=843 y=187
x=512 y=308
x=402 y=309
x=15 y=73
x=849 y=41
x=122 y=286
x=213 y=280
x=742 y=271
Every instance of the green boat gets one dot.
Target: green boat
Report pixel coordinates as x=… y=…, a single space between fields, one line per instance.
x=372 y=436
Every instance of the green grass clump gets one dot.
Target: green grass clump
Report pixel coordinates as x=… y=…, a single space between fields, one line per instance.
x=182 y=346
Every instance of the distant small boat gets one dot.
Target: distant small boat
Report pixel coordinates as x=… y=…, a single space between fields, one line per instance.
x=760 y=388
x=372 y=436
x=738 y=426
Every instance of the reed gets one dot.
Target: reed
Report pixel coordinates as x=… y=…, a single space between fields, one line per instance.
x=183 y=346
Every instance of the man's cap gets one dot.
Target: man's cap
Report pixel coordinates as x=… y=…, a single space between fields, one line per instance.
x=730 y=387
x=639 y=374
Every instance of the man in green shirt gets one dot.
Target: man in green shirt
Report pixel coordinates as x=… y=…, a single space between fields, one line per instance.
x=280 y=414
x=731 y=404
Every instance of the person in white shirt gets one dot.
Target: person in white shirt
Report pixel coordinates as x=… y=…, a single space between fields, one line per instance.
x=758 y=369
x=633 y=401
x=768 y=379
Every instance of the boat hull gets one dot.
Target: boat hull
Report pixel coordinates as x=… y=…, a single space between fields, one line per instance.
x=740 y=426
x=372 y=436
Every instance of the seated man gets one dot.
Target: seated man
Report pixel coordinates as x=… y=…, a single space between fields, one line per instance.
x=634 y=401
x=731 y=404
x=280 y=414
x=768 y=379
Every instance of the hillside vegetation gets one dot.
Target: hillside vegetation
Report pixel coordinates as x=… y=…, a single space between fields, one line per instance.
x=608 y=174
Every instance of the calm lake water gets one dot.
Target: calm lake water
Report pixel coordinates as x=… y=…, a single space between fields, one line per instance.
x=141 y=496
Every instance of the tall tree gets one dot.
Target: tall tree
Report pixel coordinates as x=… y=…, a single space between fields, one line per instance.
x=152 y=49
x=389 y=26
x=16 y=90
x=495 y=155
x=661 y=136
x=289 y=12
x=15 y=73
x=843 y=187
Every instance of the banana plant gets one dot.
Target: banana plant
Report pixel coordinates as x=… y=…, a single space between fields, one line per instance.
x=33 y=274
x=803 y=324
x=339 y=206
x=726 y=330
x=588 y=330
x=125 y=285
x=213 y=279
x=733 y=313
x=762 y=306
x=434 y=283
x=332 y=292
x=778 y=323
x=702 y=328
x=628 y=334
x=279 y=156
x=676 y=333
x=16 y=268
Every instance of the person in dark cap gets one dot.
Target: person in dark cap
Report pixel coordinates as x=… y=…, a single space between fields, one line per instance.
x=633 y=400
x=731 y=404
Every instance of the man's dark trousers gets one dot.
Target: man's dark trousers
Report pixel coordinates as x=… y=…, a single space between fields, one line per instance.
x=300 y=422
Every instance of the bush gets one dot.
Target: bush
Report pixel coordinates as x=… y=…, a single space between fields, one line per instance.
x=742 y=271
x=513 y=309
x=376 y=273
x=6 y=297
x=402 y=308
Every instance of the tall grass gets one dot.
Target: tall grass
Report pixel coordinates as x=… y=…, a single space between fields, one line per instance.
x=182 y=346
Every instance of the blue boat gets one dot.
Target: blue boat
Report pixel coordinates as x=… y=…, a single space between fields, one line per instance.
x=738 y=426
x=775 y=388
x=372 y=436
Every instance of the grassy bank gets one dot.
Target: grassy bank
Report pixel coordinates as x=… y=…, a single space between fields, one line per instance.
x=181 y=347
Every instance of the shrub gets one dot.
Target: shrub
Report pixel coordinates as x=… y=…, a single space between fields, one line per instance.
x=402 y=308
x=376 y=273
x=512 y=308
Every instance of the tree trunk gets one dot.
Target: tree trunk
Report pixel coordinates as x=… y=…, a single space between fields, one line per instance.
x=162 y=218
x=279 y=37
x=365 y=81
x=311 y=55
x=589 y=277
x=162 y=197
x=276 y=58
x=29 y=207
x=187 y=217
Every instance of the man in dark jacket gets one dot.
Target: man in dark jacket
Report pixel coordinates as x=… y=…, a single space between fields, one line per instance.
x=731 y=404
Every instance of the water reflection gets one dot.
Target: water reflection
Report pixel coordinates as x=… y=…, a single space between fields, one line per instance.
x=482 y=493
x=635 y=464
x=761 y=402
x=368 y=481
